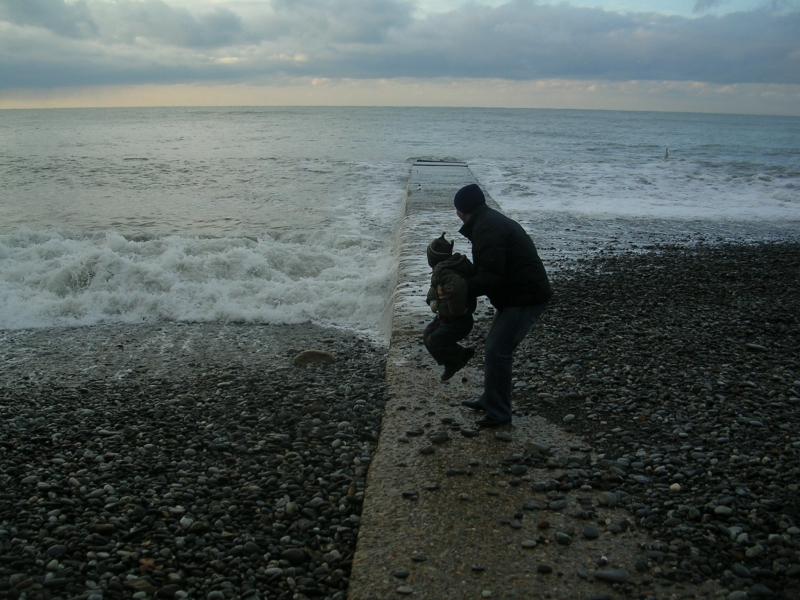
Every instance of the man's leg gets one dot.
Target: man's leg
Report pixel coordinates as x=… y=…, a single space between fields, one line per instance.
x=509 y=328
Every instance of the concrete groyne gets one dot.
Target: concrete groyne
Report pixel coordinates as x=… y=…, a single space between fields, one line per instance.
x=455 y=520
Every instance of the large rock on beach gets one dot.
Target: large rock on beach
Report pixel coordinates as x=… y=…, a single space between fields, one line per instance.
x=311 y=357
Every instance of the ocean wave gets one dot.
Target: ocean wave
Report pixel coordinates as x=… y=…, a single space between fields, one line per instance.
x=54 y=279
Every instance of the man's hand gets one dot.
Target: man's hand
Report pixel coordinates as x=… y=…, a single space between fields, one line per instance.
x=445 y=291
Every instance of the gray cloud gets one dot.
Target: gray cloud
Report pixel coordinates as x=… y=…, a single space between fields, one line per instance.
x=701 y=6
x=343 y=21
x=152 y=41
x=524 y=40
x=70 y=20
x=124 y=21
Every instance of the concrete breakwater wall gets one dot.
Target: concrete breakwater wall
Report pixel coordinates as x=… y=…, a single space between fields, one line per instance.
x=431 y=522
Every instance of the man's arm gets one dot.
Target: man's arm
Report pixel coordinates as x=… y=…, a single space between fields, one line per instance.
x=489 y=257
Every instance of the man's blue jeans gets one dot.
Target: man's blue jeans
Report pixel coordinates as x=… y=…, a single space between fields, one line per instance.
x=509 y=328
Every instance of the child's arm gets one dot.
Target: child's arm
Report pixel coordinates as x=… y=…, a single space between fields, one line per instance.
x=432 y=299
x=457 y=299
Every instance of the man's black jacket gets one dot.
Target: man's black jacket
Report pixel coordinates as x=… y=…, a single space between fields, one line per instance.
x=510 y=271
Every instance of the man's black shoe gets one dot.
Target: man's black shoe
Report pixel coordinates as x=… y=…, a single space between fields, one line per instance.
x=487 y=422
x=473 y=404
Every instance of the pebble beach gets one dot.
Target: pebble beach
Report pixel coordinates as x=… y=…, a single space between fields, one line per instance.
x=681 y=366
x=194 y=460
x=178 y=461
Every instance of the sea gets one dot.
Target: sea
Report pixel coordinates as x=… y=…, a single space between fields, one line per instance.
x=291 y=215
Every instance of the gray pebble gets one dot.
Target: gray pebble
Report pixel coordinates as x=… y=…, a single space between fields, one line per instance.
x=590 y=532
x=607 y=499
x=759 y=590
x=612 y=575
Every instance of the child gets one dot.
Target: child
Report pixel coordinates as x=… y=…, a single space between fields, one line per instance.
x=448 y=298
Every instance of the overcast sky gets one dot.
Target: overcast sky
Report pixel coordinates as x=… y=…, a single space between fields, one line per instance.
x=717 y=55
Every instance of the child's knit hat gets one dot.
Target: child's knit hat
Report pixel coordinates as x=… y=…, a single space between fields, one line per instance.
x=438 y=250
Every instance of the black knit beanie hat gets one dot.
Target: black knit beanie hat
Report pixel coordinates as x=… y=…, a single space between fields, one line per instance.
x=438 y=250
x=468 y=198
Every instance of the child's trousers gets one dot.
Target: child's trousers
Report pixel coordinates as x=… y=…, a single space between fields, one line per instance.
x=442 y=337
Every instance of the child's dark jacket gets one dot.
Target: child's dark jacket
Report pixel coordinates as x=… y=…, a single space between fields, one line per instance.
x=452 y=271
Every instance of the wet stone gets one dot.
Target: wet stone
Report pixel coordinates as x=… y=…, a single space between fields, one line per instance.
x=56 y=550
x=537 y=448
x=612 y=575
x=168 y=591
x=759 y=590
x=590 y=532
x=455 y=472
x=607 y=499
x=294 y=556
x=440 y=437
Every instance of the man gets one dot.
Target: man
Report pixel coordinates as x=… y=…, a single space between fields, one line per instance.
x=511 y=274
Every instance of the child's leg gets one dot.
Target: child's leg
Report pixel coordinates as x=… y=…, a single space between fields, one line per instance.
x=430 y=341
x=442 y=341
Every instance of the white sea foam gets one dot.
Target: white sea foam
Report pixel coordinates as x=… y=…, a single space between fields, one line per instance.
x=665 y=190
x=51 y=279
